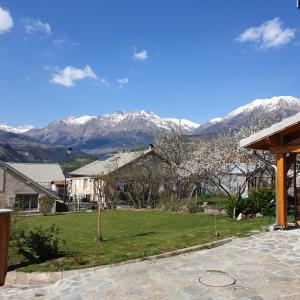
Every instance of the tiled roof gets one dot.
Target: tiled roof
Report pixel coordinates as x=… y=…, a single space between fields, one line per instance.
x=112 y=163
x=40 y=173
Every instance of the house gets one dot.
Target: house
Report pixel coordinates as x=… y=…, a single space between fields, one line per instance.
x=239 y=179
x=83 y=183
x=22 y=184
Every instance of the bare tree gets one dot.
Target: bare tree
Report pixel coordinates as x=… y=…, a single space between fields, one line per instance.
x=175 y=149
x=101 y=189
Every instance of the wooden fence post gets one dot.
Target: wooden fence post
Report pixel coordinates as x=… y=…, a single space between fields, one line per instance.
x=4 y=240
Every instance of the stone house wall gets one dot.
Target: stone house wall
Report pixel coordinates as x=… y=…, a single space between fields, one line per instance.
x=13 y=184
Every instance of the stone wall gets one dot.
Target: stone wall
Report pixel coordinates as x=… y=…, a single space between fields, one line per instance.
x=15 y=184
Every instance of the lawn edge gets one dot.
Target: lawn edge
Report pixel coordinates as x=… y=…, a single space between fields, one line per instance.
x=35 y=279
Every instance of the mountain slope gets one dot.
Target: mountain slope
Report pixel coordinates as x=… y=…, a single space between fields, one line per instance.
x=271 y=110
x=20 y=129
x=21 y=148
x=110 y=131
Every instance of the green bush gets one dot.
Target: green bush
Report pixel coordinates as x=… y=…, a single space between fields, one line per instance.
x=18 y=229
x=231 y=204
x=46 y=205
x=44 y=242
x=258 y=201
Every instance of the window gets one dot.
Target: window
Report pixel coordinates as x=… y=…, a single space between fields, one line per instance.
x=26 y=201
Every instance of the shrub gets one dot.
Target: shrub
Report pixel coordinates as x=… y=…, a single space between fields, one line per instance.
x=18 y=230
x=46 y=205
x=260 y=201
x=44 y=242
x=231 y=205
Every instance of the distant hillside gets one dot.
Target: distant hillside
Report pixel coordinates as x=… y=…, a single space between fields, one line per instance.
x=21 y=148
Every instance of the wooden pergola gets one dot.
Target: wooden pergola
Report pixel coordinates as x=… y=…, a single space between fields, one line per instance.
x=282 y=139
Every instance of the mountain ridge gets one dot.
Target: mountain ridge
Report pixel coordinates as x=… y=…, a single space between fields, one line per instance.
x=273 y=109
x=127 y=130
x=114 y=131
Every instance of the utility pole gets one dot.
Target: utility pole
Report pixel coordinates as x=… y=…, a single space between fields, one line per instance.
x=67 y=154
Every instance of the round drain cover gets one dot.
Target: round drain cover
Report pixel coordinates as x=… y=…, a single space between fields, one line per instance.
x=217 y=279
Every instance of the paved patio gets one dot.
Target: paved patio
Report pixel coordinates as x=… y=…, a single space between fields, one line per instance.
x=265 y=266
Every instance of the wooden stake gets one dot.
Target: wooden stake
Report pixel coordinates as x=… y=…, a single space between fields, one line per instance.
x=4 y=239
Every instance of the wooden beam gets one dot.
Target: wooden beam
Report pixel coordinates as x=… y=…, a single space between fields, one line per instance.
x=289 y=161
x=292 y=137
x=281 y=190
x=274 y=140
x=293 y=142
x=285 y=149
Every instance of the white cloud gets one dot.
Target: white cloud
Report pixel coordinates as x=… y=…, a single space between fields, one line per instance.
x=6 y=21
x=269 y=34
x=141 y=55
x=104 y=81
x=59 y=42
x=123 y=81
x=69 y=74
x=36 y=25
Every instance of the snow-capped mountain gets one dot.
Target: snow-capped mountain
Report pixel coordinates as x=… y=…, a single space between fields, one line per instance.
x=117 y=130
x=78 y=120
x=19 y=129
x=120 y=117
x=270 y=109
x=215 y=120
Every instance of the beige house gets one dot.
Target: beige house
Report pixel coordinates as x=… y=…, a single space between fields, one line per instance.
x=85 y=180
x=82 y=188
x=21 y=184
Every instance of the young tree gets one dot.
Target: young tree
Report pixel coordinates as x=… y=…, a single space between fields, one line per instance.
x=99 y=190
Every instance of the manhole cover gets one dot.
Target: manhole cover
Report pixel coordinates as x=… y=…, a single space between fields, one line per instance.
x=217 y=279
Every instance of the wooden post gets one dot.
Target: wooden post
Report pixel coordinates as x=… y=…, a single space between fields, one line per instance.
x=296 y=195
x=281 y=190
x=4 y=239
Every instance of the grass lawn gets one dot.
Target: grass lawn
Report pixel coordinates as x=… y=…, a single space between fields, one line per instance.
x=129 y=235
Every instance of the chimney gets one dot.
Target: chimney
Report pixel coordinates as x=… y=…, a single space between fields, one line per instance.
x=151 y=147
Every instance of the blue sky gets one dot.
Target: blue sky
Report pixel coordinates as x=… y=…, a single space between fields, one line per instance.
x=189 y=59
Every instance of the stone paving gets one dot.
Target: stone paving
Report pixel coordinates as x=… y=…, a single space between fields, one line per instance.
x=264 y=266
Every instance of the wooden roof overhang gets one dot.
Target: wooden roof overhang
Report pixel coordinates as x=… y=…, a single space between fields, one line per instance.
x=282 y=137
